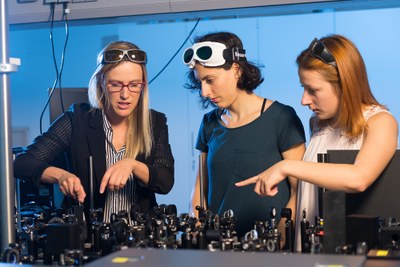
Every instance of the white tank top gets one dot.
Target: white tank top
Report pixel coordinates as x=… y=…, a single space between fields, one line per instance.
x=323 y=139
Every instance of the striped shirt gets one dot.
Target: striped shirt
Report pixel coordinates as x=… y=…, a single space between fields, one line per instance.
x=117 y=200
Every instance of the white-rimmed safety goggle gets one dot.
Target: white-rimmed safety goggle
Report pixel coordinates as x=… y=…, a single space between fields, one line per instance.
x=212 y=54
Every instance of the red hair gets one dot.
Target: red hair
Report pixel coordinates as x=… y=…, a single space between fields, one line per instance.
x=349 y=77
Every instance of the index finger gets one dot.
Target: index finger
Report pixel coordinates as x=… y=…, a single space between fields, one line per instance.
x=248 y=181
x=104 y=182
x=79 y=192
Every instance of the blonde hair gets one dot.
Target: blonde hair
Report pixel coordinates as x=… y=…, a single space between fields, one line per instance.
x=139 y=139
x=349 y=77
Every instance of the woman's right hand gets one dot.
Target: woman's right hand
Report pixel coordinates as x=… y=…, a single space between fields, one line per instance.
x=71 y=186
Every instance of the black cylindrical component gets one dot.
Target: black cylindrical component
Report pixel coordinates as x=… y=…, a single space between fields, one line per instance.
x=289 y=235
x=186 y=240
x=201 y=240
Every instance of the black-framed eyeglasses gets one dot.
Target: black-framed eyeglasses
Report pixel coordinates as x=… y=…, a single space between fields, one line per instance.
x=319 y=50
x=116 y=87
x=116 y=55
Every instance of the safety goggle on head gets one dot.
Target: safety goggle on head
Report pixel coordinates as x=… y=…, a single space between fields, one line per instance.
x=117 y=55
x=212 y=54
x=319 y=50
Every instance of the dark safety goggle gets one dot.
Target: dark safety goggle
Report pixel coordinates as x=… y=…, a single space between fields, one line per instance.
x=116 y=55
x=212 y=54
x=319 y=50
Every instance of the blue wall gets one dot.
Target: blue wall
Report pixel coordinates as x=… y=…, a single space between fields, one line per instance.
x=273 y=41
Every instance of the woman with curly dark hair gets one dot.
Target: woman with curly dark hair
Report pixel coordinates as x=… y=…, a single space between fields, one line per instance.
x=243 y=135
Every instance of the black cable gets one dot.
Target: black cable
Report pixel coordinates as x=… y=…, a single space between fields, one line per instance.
x=58 y=73
x=52 y=10
x=179 y=49
x=65 y=15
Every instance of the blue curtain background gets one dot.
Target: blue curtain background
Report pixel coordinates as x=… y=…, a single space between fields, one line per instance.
x=273 y=41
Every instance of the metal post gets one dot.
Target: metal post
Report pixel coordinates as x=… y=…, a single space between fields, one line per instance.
x=202 y=166
x=7 y=200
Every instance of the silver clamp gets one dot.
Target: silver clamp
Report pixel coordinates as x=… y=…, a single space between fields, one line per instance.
x=10 y=67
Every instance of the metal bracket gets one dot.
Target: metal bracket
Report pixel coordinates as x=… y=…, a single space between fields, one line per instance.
x=10 y=67
x=5 y=68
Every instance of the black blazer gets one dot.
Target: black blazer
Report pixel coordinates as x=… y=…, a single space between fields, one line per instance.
x=78 y=134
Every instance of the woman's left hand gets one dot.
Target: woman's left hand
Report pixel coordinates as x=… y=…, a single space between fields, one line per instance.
x=267 y=181
x=117 y=175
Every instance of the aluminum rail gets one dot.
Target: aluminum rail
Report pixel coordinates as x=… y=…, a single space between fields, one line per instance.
x=7 y=183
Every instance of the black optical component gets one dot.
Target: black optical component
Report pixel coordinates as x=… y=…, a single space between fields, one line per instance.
x=319 y=50
x=116 y=55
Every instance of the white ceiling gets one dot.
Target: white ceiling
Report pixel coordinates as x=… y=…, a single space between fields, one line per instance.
x=27 y=11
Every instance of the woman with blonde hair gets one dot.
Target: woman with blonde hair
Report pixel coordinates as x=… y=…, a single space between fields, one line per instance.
x=127 y=141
